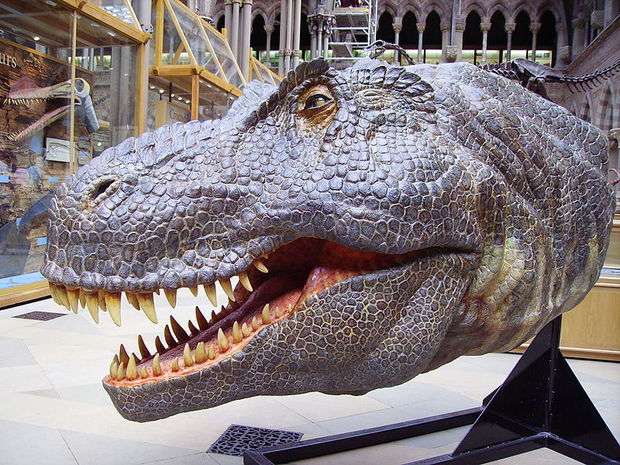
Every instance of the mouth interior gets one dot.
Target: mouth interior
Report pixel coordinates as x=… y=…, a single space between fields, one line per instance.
x=296 y=271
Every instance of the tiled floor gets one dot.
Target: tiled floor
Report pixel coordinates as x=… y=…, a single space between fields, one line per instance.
x=53 y=410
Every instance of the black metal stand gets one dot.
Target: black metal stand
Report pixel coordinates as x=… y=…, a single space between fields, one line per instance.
x=540 y=404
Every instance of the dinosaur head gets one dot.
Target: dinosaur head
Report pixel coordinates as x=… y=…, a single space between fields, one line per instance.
x=361 y=231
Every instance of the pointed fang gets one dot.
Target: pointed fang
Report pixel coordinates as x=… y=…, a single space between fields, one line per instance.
x=260 y=266
x=227 y=288
x=148 y=306
x=245 y=281
x=211 y=293
x=171 y=295
x=201 y=354
x=113 y=304
x=144 y=351
x=236 y=332
x=156 y=365
x=187 y=356
x=266 y=314
x=222 y=341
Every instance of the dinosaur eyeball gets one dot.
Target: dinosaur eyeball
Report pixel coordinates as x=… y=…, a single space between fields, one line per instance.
x=317 y=101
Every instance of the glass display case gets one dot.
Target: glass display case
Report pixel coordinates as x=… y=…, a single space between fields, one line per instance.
x=63 y=75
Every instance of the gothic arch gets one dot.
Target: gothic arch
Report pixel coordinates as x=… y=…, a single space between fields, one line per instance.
x=518 y=8
x=605 y=119
x=475 y=6
x=499 y=6
x=441 y=8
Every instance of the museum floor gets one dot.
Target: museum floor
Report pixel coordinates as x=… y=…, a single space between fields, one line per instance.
x=54 y=411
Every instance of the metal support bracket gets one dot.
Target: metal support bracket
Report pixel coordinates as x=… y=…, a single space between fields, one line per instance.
x=540 y=404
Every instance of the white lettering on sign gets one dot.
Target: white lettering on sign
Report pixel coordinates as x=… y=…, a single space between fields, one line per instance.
x=8 y=60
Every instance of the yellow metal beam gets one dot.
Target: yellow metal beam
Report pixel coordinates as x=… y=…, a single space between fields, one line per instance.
x=91 y=11
x=195 y=96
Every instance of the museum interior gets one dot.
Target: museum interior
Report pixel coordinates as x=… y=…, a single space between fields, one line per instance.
x=80 y=76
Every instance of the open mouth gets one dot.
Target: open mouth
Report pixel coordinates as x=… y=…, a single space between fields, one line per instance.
x=271 y=290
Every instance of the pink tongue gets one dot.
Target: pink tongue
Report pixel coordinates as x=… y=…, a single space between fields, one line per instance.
x=268 y=291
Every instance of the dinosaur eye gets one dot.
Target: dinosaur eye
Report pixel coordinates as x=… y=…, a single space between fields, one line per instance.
x=316 y=101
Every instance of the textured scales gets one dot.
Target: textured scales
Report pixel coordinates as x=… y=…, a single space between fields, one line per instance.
x=494 y=201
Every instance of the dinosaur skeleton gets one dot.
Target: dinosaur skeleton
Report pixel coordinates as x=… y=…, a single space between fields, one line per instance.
x=25 y=92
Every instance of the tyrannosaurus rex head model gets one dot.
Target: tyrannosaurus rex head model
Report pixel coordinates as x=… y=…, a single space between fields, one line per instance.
x=382 y=221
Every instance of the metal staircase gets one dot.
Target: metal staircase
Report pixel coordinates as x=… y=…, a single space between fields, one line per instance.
x=355 y=28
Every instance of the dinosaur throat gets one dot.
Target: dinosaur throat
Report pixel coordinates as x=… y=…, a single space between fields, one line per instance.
x=277 y=285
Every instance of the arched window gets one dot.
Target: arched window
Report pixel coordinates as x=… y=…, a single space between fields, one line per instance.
x=409 y=32
x=497 y=39
x=258 y=37
x=432 y=38
x=220 y=23
x=522 y=37
x=472 y=37
x=385 y=31
x=606 y=119
x=546 y=40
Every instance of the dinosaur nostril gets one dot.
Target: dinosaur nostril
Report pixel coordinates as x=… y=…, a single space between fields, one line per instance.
x=102 y=188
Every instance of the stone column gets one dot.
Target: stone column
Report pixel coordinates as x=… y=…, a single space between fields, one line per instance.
x=227 y=17
x=319 y=37
x=579 y=33
x=234 y=28
x=268 y=31
x=283 y=29
x=244 y=45
x=289 y=35
x=534 y=28
x=485 y=27
x=509 y=28
x=313 y=27
x=397 y=25
x=445 y=41
x=420 y=27
x=328 y=23
x=562 y=51
x=460 y=28
x=296 y=33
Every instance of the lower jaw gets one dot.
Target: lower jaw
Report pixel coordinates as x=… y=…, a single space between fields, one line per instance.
x=319 y=264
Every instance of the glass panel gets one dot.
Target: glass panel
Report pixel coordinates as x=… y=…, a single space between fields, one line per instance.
x=232 y=72
x=113 y=71
x=35 y=129
x=119 y=8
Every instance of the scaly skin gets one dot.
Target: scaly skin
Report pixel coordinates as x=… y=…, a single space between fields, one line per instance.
x=490 y=202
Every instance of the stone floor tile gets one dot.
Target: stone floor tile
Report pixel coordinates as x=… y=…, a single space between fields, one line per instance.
x=24 y=444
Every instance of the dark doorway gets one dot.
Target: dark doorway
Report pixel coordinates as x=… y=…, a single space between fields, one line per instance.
x=385 y=31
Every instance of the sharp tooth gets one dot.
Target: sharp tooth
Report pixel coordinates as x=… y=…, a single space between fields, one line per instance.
x=101 y=300
x=143 y=373
x=222 y=341
x=193 y=290
x=255 y=323
x=113 y=304
x=278 y=312
x=82 y=298
x=53 y=293
x=227 y=288
x=115 y=359
x=202 y=322
x=211 y=293
x=156 y=365
x=236 y=332
x=168 y=337
x=260 y=266
x=132 y=371
x=159 y=345
x=201 y=354
x=245 y=281
x=211 y=353
x=179 y=332
x=133 y=300
x=171 y=295
x=123 y=356
x=61 y=292
x=93 y=306
x=187 y=356
x=266 y=314
x=113 y=369
x=175 y=364
x=214 y=316
x=245 y=330
x=144 y=351
x=192 y=328
x=120 y=373
x=73 y=295
x=148 y=306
